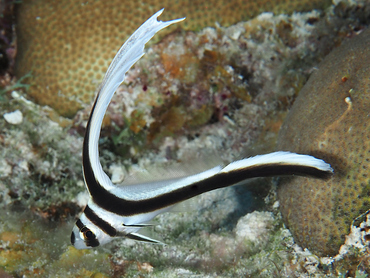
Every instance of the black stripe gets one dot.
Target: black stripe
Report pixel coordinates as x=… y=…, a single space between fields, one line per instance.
x=102 y=224
x=112 y=203
x=86 y=165
x=73 y=238
x=79 y=224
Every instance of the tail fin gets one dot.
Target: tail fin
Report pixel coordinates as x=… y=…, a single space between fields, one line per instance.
x=280 y=164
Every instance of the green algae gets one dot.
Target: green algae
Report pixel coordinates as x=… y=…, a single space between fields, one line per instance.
x=131 y=139
x=36 y=247
x=16 y=86
x=43 y=158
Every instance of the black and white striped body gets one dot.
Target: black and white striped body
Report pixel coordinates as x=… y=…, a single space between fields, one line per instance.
x=116 y=211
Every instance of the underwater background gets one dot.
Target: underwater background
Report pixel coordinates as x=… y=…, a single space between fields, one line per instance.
x=215 y=88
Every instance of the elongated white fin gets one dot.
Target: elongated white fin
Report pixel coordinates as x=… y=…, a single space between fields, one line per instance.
x=280 y=158
x=96 y=225
x=130 y=52
x=266 y=165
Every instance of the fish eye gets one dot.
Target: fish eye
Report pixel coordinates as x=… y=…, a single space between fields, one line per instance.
x=89 y=237
x=89 y=234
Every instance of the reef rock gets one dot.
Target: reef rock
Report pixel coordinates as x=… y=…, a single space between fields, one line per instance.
x=68 y=45
x=330 y=119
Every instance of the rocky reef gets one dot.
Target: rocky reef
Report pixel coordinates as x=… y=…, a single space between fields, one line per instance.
x=223 y=90
x=68 y=45
x=330 y=119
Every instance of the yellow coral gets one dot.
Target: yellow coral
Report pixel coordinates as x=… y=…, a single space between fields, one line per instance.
x=68 y=44
x=330 y=119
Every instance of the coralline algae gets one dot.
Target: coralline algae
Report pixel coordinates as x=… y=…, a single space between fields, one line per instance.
x=330 y=119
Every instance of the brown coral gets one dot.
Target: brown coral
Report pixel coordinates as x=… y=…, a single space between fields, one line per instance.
x=68 y=44
x=330 y=119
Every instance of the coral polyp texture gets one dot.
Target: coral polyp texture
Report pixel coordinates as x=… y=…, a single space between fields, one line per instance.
x=68 y=45
x=330 y=119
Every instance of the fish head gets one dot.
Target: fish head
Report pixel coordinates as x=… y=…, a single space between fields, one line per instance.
x=86 y=236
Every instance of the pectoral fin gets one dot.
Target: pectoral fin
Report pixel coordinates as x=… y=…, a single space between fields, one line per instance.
x=138 y=225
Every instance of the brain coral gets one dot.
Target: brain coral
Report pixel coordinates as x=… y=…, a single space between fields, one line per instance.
x=68 y=44
x=330 y=119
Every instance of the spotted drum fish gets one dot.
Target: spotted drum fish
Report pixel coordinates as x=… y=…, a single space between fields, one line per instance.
x=120 y=211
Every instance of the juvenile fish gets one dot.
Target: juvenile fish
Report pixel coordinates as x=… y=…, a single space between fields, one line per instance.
x=120 y=211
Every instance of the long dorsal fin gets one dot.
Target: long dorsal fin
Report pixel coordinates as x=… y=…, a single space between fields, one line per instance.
x=130 y=52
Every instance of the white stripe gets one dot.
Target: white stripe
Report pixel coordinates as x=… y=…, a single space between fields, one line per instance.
x=285 y=158
x=117 y=221
x=144 y=191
